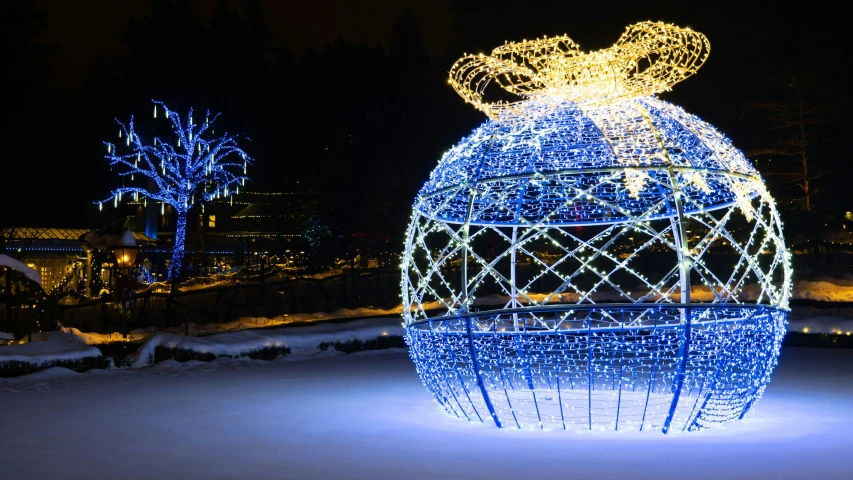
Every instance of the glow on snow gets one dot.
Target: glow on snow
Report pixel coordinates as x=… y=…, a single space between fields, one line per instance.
x=592 y=190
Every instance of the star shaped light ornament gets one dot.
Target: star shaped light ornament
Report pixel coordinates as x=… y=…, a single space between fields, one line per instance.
x=592 y=257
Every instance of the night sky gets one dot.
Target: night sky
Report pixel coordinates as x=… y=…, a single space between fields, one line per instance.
x=349 y=100
x=83 y=34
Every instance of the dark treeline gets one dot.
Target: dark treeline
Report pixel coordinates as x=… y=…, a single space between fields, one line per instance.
x=351 y=124
x=361 y=126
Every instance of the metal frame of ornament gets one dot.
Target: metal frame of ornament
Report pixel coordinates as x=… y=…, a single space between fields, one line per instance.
x=613 y=263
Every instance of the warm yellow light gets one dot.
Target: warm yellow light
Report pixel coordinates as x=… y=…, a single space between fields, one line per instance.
x=648 y=58
x=806 y=330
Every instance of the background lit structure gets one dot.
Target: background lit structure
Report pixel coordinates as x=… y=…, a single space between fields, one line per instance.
x=592 y=256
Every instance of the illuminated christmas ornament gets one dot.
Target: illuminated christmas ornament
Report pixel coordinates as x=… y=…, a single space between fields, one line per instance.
x=592 y=256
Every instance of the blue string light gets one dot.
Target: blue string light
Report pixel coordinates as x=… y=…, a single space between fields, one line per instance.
x=629 y=261
x=192 y=167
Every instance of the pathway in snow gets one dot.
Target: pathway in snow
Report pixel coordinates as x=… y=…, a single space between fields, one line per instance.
x=367 y=416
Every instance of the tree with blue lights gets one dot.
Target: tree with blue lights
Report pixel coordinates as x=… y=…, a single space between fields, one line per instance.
x=191 y=167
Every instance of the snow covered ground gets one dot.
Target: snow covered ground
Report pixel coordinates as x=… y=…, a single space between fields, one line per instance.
x=300 y=340
x=71 y=344
x=819 y=289
x=366 y=416
x=802 y=319
x=245 y=323
x=824 y=289
x=47 y=347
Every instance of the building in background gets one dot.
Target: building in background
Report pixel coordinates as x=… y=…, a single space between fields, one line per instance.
x=59 y=255
x=241 y=228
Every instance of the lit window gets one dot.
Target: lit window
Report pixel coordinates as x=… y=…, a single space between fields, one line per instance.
x=211 y=221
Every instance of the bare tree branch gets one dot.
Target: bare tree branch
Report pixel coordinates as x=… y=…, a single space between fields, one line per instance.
x=187 y=171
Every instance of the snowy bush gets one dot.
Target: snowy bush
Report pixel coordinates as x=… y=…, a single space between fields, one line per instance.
x=818 y=340
x=378 y=343
x=16 y=368
x=162 y=353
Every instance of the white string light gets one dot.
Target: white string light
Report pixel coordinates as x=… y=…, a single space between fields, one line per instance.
x=619 y=234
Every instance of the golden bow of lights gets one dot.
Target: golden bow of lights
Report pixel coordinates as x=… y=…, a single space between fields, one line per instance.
x=650 y=57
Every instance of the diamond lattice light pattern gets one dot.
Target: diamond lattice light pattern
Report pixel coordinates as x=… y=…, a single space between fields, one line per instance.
x=592 y=256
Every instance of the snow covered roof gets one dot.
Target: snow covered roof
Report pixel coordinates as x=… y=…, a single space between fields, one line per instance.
x=28 y=233
x=16 y=265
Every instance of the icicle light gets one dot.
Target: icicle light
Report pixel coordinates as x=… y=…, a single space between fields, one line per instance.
x=183 y=172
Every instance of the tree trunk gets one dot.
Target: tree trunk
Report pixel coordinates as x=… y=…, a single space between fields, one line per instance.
x=178 y=249
x=803 y=157
x=806 y=178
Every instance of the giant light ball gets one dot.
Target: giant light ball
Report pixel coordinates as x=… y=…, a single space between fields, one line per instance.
x=593 y=257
